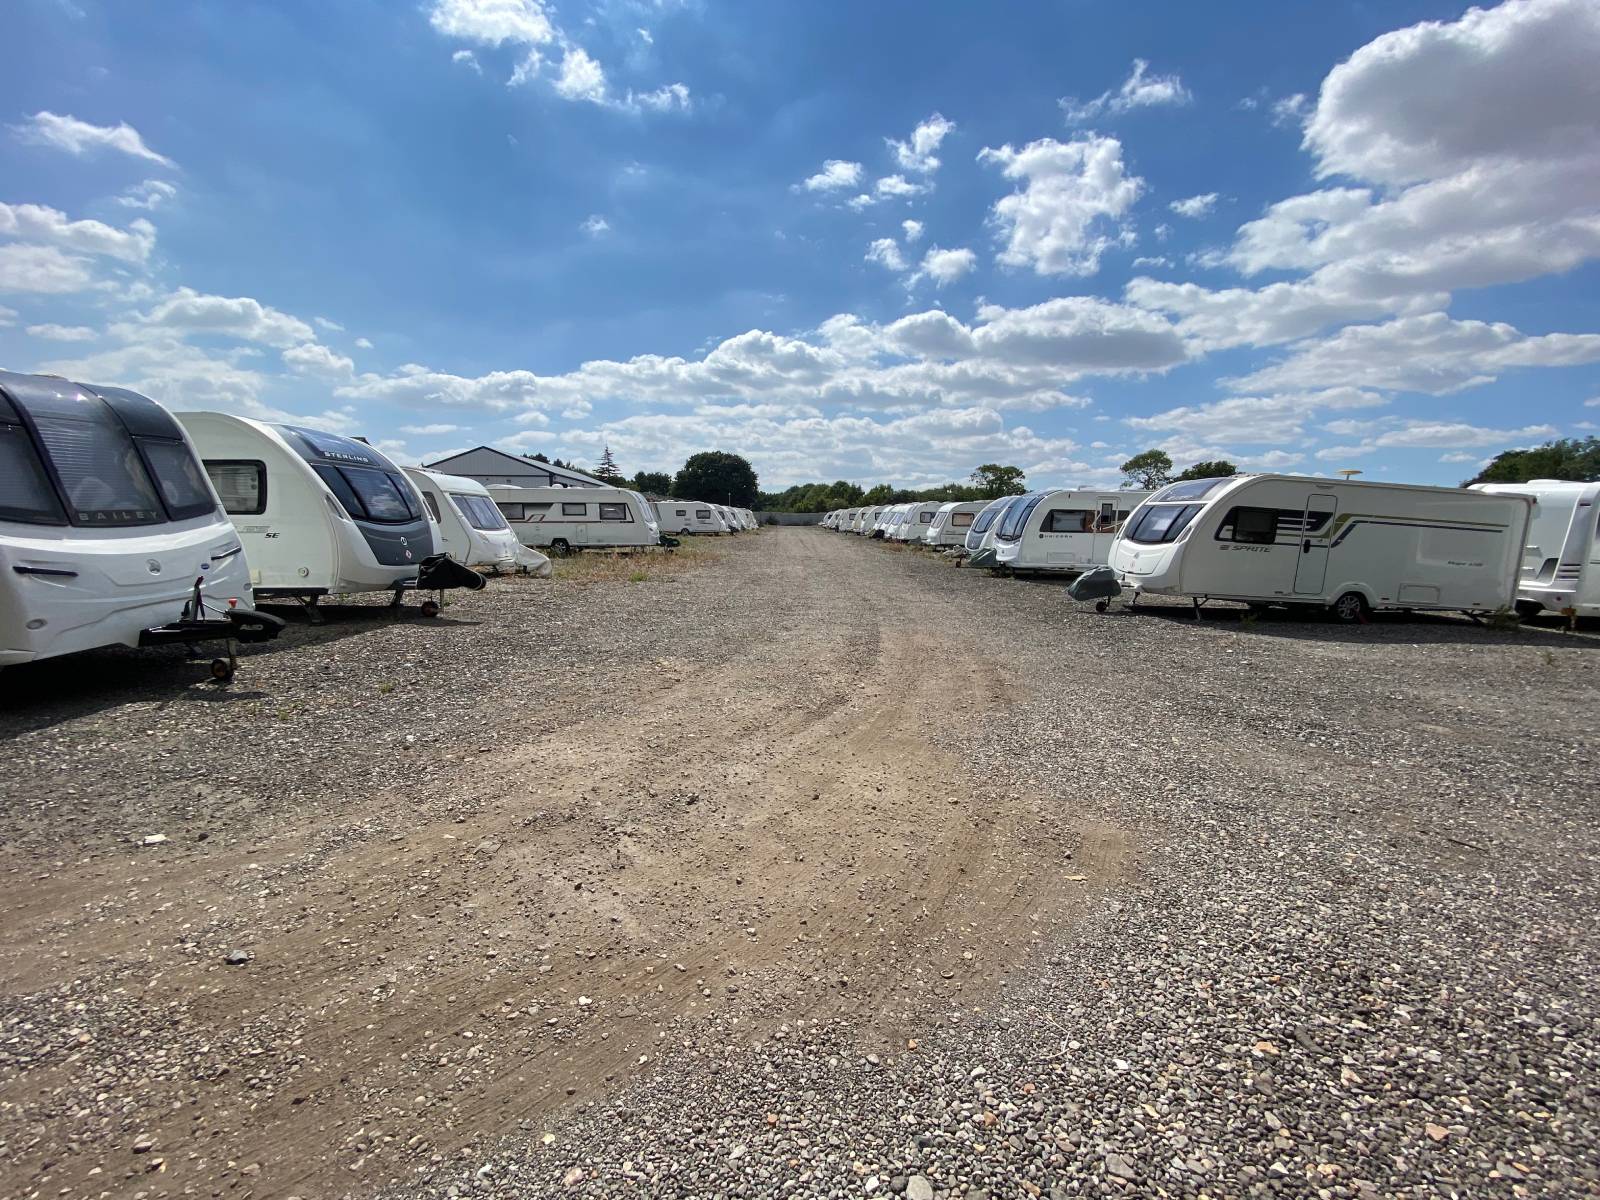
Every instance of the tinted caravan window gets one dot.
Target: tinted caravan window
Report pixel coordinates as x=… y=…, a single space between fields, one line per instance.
x=479 y=512
x=179 y=477
x=242 y=484
x=1017 y=515
x=614 y=512
x=104 y=480
x=382 y=496
x=1068 y=520
x=1157 y=523
x=1258 y=526
x=25 y=492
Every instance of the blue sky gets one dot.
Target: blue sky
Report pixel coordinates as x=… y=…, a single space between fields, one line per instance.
x=882 y=241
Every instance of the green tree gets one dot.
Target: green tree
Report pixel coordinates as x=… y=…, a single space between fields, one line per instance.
x=882 y=494
x=718 y=477
x=993 y=481
x=653 y=483
x=1575 y=459
x=1219 y=468
x=537 y=458
x=1147 y=470
x=606 y=470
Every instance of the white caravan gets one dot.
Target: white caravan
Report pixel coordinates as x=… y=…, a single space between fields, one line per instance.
x=1353 y=547
x=845 y=518
x=950 y=524
x=1061 y=529
x=1561 y=560
x=866 y=519
x=914 y=521
x=568 y=519
x=889 y=520
x=110 y=533
x=689 y=516
x=749 y=519
x=979 y=544
x=319 y=514
x=468 y=526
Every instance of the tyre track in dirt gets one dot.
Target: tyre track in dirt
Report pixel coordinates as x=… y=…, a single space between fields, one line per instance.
x=775 y=839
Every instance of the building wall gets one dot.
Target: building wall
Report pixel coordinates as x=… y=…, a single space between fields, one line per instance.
x=487 y=468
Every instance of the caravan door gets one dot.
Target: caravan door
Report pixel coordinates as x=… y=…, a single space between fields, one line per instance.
x=1311 y=567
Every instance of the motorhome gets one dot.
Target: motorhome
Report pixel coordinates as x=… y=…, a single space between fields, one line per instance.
x=1561 y=560
x=914 y=521
x=110 y=533
x=469 y=528
x=564 y=520
x=689 y=516
x=979 y=544
x=1271 y=540
x=950 y=524
x=1062 y=529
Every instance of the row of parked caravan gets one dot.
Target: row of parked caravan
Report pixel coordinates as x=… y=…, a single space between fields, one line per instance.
x=124 y=524
x=1291 y=541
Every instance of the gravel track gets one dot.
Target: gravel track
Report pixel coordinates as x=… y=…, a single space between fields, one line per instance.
x=825 y=870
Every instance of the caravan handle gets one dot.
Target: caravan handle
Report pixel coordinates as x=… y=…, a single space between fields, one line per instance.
x=1305 y=546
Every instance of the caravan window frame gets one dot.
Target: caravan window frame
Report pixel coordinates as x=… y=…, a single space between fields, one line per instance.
x=572 y=508
x=1086 y=517
x=433 y=505
x=956 y=521
x=1228 y=531
x=260 y=469
x=1180 y=520
x=129 y=462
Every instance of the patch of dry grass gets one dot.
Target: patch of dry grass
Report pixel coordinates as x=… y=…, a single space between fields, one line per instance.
x=641 y=565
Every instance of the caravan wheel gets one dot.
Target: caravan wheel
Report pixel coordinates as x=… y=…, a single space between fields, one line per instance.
x=429 y=608
x=560 y=548
x=1350 y=609
x=221 y=670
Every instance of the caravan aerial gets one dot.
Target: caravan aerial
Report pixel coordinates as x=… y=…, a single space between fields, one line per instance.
x=569 y=519
x=950 y=524
x=1352 y=547
x=110 y=533
x=1561 y=559
x=1060 y=529
x=469 y=527
x=319 y=514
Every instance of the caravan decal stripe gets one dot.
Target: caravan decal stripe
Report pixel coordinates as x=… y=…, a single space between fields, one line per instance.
x=1404 y=522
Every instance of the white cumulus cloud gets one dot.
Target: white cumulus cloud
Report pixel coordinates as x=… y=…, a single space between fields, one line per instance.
x=1139 y=90
x=1061 y=220
x=81 y=137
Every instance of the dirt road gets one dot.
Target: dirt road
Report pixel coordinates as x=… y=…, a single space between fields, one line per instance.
x=776 y=835
x=822 y=868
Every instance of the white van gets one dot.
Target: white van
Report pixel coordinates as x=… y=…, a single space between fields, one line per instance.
x=950 y=524
x=469 y=527
x=1062 y=530
x=319 y=514
x=568 y=519
x=1352 y=547
x=110 y=532
x=689 y=516
x=1561 y=561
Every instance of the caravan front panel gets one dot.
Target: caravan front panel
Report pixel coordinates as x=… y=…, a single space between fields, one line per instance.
x=106 y=520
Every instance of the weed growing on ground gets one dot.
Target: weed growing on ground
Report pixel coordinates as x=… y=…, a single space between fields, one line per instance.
x=604 y=566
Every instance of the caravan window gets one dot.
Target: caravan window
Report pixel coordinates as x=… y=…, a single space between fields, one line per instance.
x=1157 y=523
x=961 y=520
x=700 y=514
x=1068 y=520
x=568 y=509
x=478 y=511
x=927 y=517
x=433 y=505
x=104 y=480
x=179 y=477
x=384 y=497
x=615 y=512
x=1257 y=526
x=242 y=484
x=513 y=512
x=1190 y=489
x=25 y=492
x=1017 y=517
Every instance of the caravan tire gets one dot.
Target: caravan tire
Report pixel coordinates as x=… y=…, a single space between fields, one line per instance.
x=1350 y=609
x=560 y=548
x=221 y=670
x=429 y=608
